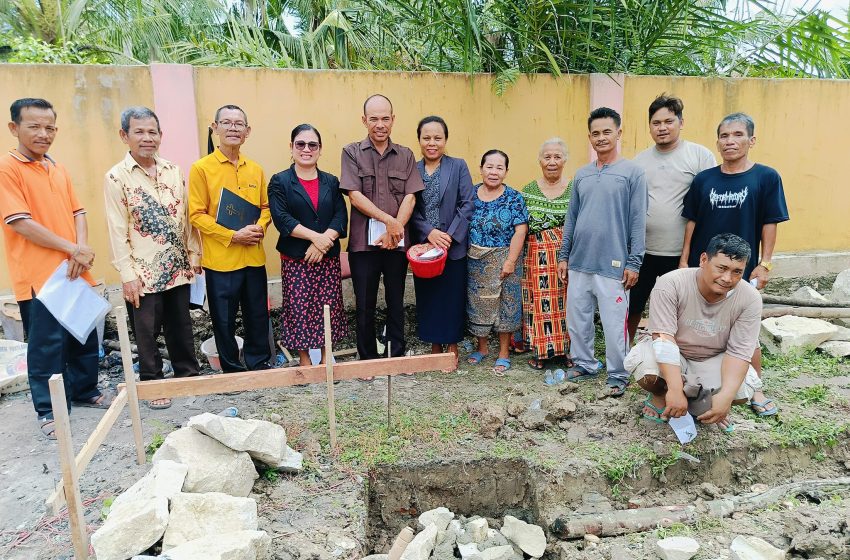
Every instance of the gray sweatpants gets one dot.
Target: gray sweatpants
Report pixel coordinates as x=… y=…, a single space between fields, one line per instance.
x=584 y=292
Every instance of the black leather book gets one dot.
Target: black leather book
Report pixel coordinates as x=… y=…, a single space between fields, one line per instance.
x=234 y=212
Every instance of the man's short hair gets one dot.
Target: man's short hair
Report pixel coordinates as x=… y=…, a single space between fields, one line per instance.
x=604 y=113
x=743 y=118
x=730 y=245
x=664 y=101
x=137 y=113
x=21 y=104
x=373 y=96
x=232 y=108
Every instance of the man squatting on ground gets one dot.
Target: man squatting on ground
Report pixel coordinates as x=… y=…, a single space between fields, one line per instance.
x=670 y=166
x=43 y=225
x=602 y=251
x=704 y=324
x=156 y=251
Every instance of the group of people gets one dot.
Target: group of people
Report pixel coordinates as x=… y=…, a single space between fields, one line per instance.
x=534 y=263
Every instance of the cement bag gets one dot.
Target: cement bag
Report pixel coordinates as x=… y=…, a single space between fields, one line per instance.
x=13 y=367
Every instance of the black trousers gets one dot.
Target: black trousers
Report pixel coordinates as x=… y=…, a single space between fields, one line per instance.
x=51 y=349
x=166 y=312
x=227 y=292
x=367 y=267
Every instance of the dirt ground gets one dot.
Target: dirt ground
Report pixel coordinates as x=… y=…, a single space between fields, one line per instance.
x=605 y=455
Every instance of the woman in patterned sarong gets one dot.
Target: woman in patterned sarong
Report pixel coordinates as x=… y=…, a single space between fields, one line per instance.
x=544 y=296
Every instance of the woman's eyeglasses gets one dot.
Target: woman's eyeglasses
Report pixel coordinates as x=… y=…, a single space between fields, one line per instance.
x=310 y=146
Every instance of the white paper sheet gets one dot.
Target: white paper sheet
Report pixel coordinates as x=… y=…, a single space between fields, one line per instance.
x=74 y=304
x=684 y=427
x=378 y=228
x=198 y=291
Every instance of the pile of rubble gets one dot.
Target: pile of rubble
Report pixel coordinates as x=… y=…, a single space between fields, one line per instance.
x=442 y=537
x=193 y=502
x=527 y=411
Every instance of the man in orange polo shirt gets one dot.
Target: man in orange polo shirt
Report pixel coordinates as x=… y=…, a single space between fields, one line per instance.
x=44 y=224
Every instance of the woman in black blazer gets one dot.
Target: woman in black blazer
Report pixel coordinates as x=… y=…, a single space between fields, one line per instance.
x=441 y=218
x=309 y=212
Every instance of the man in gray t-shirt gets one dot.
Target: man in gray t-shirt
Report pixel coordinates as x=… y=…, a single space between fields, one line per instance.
x=670 y=166
x=705 y=325
x=602 y=251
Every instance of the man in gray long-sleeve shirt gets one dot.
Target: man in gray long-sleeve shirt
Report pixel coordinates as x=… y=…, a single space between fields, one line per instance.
x=602 y=251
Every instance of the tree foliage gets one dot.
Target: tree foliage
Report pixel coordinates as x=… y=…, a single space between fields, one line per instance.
x=504 y=37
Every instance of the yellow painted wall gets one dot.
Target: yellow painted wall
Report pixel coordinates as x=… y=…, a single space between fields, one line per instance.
x=88 y=102
x=798 y=126
x=799 y=131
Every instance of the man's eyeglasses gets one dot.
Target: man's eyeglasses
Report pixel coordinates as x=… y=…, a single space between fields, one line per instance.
x=310 y=146
x=236 y=125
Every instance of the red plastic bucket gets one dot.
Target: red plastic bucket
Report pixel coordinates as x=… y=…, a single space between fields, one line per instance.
x=426 y=269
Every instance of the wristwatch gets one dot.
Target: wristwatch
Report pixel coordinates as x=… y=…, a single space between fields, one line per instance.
x=767 y=265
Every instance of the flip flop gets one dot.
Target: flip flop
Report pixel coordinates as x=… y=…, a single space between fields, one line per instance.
x=765 y=412
x=475 y=358
x=578 y=373
x=48 y=428
x=534 y=363
x=616 y=391
x=501 y=362
x=657 y=419
x=104 y=401
x=160 y=405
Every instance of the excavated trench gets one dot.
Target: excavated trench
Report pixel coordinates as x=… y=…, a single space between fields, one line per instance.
x=492 y=488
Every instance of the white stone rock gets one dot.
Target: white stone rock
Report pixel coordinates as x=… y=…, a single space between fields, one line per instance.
x=754 y=548
x=422 y=544
x=842 y=334
x=677 y=548
x=238 y=545
x=376 y=557
x=494 y=538
x=194 y=516
x=497 y=553
x=530 y=538
x=807 y=293
x=293 y=461
x=213 y=467
x=782 y=335
x=467 y=551
x=439 y=517
x=841 y=289
x=264 y=441
x=476 y=530
x=131 y=528
x=836 y=348
x=165 y=479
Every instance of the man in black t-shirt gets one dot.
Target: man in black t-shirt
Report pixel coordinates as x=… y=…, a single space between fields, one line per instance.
x=742 y=197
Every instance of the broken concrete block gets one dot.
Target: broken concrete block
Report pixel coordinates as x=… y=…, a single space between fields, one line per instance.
x=476 y=530
x=165 y=479
x=782 y=335
x=836 y=348
x=422 y=545
x=530 y=538
x=439 y=517
x=494 y=538
x=677 y=548
x=468 y=550
x=213 y=467
x=194 y=516
x=446 y=543
x=754 y=548
x=264 y=441
x=238 y=545
x=292 y=462
x=807 y=293
x=841 y=335
x=841 y=289
x=376 y=557
x=496 y=553
x=131 y=528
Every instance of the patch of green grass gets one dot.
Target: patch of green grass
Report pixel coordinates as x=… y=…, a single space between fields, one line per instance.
x=158 y=437
x=674 y=530
x=364 y=440
x=808 y=362
x=616 y=465
x=660 y=463
x=816 y=394
x=270 y=475
x=799 y=431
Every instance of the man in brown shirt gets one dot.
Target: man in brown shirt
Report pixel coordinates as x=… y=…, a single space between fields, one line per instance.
x=381 y=181
x=705 y=325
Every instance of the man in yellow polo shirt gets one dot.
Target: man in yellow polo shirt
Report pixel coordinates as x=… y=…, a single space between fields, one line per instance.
x=45 y=224
x=234 y=261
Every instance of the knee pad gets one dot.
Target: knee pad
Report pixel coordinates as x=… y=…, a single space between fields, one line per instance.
x=666 y=352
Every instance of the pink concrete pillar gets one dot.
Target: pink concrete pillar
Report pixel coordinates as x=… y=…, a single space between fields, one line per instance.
x=174 y=103
x=606 y=90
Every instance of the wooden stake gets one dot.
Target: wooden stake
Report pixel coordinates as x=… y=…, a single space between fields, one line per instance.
x=389 y=393
x=329 y=369
x=130 y=381
x=62 y=426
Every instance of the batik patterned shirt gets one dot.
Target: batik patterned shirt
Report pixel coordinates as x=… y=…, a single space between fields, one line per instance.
x=148 y=223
